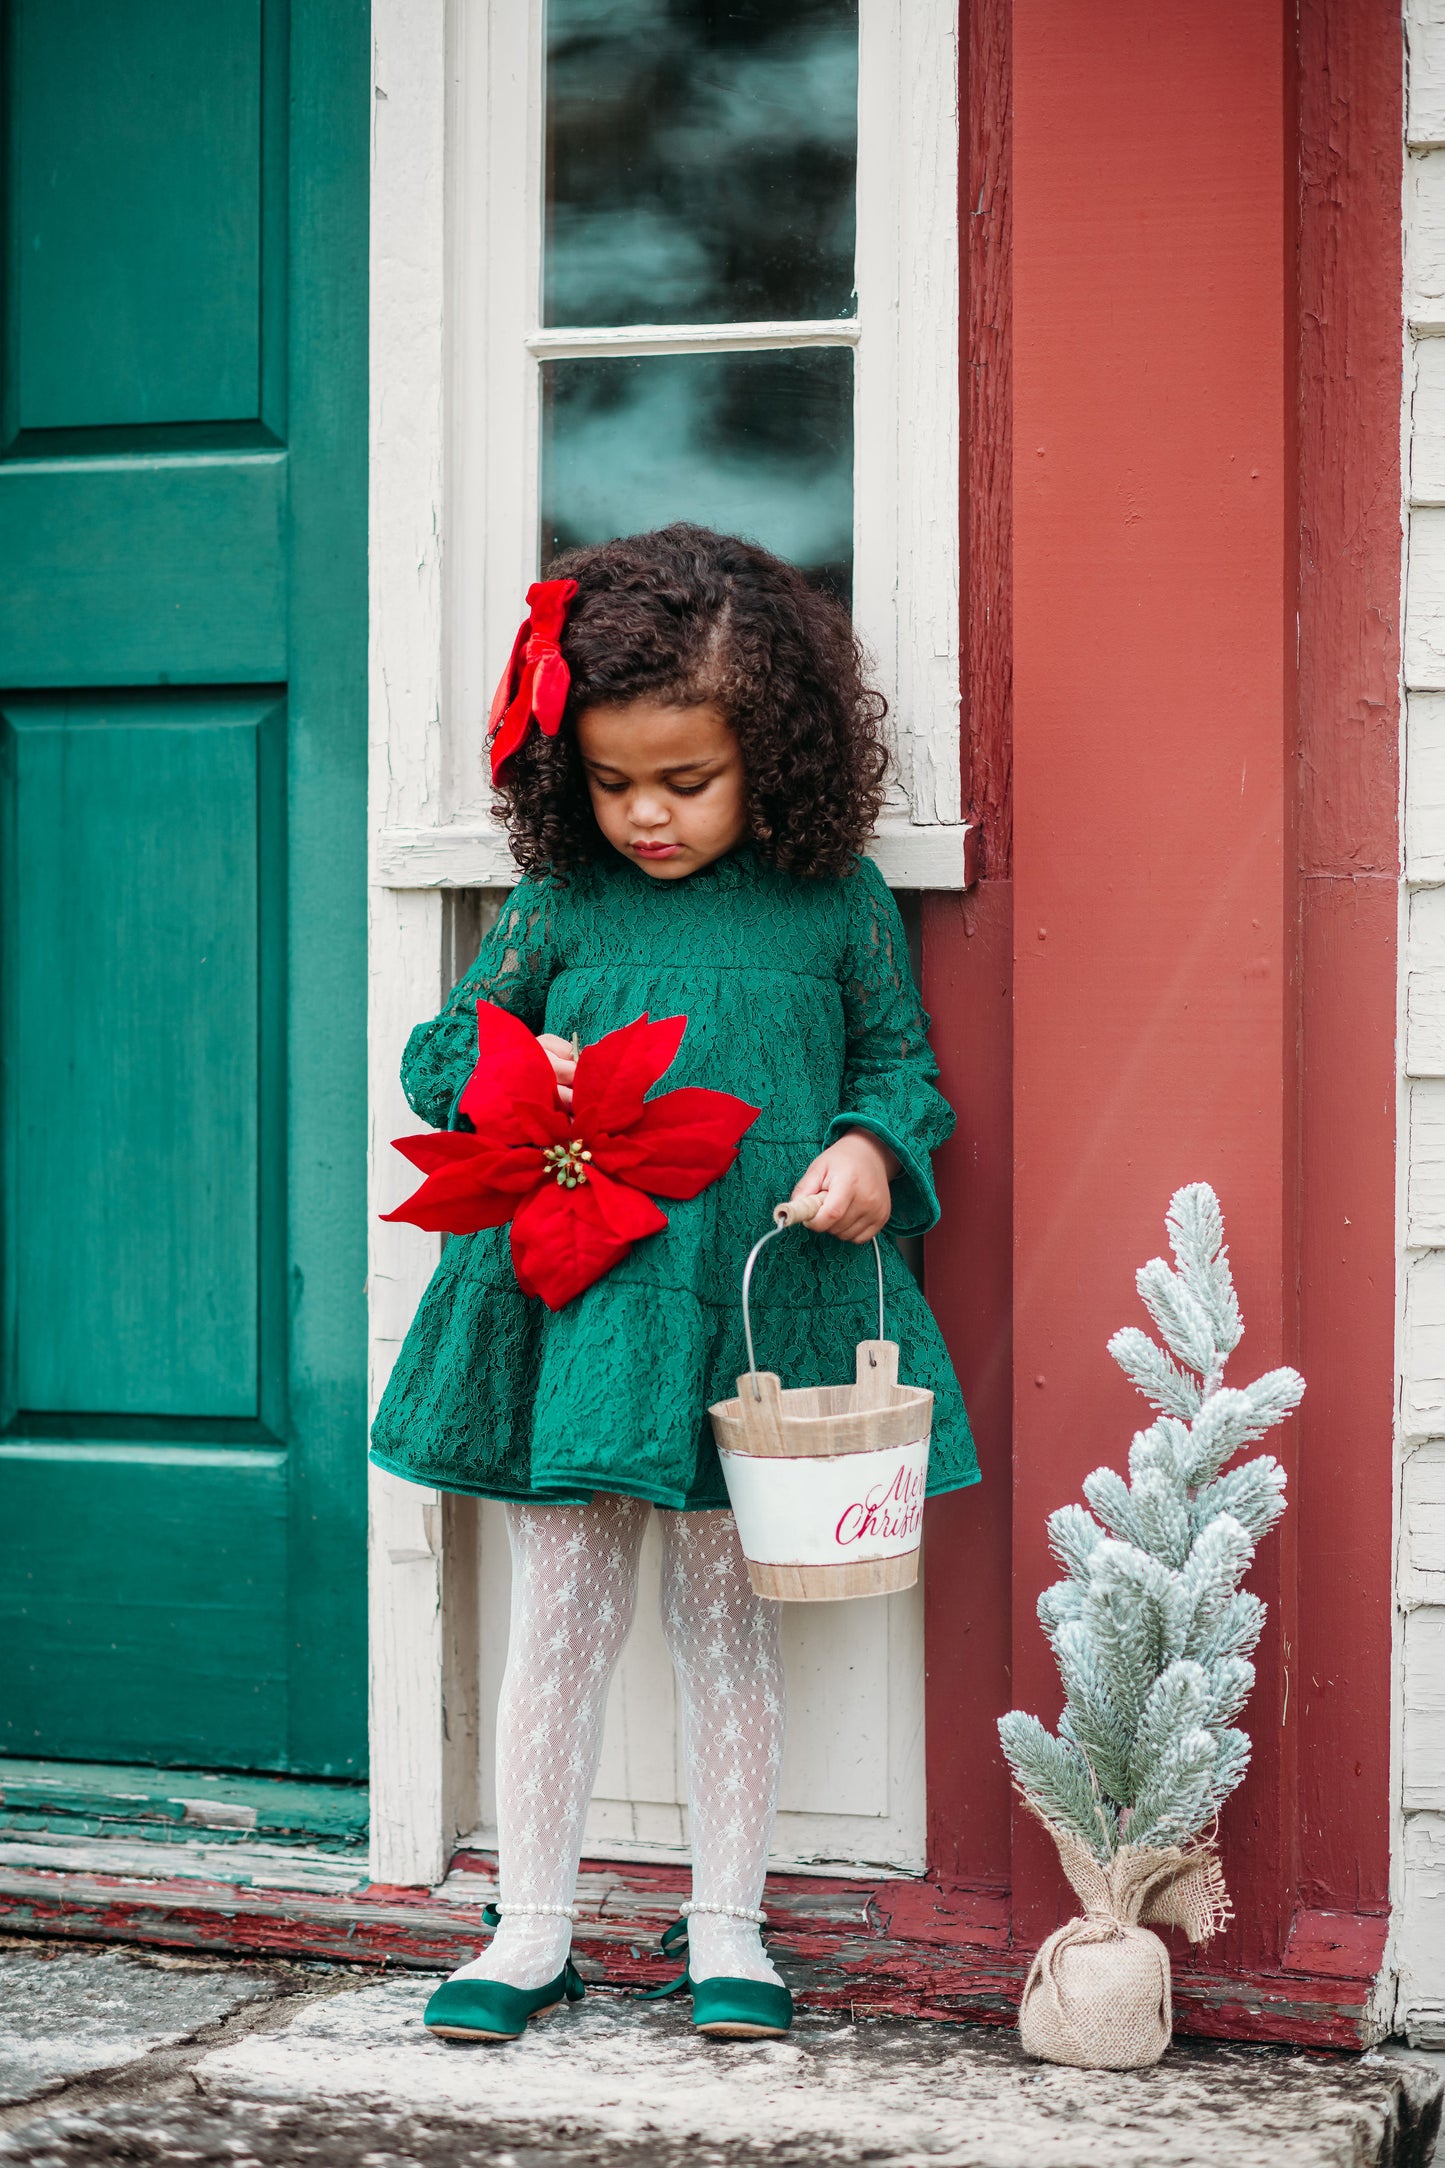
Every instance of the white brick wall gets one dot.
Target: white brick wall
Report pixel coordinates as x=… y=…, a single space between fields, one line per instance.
x=1420 y=1846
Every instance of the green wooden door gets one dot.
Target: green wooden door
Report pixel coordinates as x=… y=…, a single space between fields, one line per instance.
x=182 y=982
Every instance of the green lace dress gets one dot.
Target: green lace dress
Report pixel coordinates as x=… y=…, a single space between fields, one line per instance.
x=799 y=998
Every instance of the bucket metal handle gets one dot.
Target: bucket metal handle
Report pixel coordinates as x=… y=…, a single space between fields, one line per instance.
x=797 y=1212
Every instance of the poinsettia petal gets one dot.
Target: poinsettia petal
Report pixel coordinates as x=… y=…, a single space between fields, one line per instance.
x=459 y=1200
x=438 y=1148
x=515 y=1168
x=614 y=1074
x=561 y=1244
x=680 y=1142
x=625 y=1210
x=511 y=1094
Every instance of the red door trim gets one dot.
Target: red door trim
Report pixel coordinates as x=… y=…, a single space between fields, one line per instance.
x=1351 y=132
x=968 y=988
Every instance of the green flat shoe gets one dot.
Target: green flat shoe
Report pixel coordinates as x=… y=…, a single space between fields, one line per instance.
x=727 y=2009
x=490 y=2010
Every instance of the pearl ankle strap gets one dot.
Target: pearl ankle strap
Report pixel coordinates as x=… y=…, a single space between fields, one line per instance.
x=537 y=1912
x=727 y=1912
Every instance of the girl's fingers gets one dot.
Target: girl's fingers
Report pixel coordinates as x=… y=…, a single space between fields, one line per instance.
x=849 y=1210
x=564 y=1062
x=836 y=1208
x=813 y=1178
x=849 y=1217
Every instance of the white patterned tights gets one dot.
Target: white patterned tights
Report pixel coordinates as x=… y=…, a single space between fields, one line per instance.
x=574 y=1585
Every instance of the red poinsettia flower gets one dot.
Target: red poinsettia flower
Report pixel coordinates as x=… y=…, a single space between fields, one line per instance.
x=574 y=1186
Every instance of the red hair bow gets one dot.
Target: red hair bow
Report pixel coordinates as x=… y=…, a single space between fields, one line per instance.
x=536 y=679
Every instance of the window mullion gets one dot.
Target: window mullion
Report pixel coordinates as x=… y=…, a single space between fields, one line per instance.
x=585 y=342
x=878 y=576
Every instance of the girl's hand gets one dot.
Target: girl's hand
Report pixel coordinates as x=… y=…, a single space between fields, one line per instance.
x=564 y=1062
x=852 y=1178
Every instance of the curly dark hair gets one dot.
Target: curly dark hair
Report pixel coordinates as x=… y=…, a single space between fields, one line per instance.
x=689 y=617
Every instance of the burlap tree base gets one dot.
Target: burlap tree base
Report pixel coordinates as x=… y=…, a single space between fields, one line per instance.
x=1097 y=1995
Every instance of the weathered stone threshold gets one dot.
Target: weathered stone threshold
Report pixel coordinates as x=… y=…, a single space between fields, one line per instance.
x=888 y=1948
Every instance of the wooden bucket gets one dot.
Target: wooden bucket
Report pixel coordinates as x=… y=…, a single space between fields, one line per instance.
x=826 y=1482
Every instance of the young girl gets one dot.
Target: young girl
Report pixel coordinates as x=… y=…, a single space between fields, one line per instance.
x=690 y=840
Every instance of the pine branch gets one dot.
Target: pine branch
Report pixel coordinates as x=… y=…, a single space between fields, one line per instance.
x=1055 y=1779
x=1182 y=1320
x=1178 y=1702
x=1109 y=1496
x=1177 y=1799
x=1162 y=1382
x=1230 y=1419
x=1231 y=1760
x=1123 y=1611
x=1073 y=1537
x=1161 y=1449
x=1252 y=1495
x=1236 y=1632
x=1062 y=1601
x=1221 y=1554
x=1161 y=1514
x=1227 y=1420
x=1277 y=1394
x=1196 y=1235
x=1098 y=1716
x=1231 y=1682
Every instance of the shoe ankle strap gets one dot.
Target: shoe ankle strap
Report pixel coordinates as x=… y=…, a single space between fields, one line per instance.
x=494 y=1914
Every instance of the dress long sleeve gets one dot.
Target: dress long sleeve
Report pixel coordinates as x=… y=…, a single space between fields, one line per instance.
x=514 y=968
x=890 y=1078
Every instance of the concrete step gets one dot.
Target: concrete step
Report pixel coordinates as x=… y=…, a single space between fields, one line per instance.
x=113 y=2057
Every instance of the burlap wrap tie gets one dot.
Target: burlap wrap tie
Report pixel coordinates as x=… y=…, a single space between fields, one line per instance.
x=1097 y=1994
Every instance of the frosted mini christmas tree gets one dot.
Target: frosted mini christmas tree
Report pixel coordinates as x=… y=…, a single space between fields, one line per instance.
x=1153 y=1637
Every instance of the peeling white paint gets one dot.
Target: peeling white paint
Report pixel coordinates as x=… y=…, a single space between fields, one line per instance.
x=1421 y=1931
x=1425 y=765
x=1426 y=1170
x=406 y=468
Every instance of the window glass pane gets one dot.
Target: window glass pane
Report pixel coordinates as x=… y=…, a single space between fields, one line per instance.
x=753 y=444
x=701 y=158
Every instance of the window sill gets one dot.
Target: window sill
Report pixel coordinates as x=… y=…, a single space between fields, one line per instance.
x=907 y=853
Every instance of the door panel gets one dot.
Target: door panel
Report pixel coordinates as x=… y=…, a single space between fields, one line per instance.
x=136 y=1016
x=138 y=1603
x=135 y=139
x=182 y=978
x=137 y=571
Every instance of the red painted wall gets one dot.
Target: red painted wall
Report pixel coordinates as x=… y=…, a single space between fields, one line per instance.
x=1181 y=400
x=1153 y=699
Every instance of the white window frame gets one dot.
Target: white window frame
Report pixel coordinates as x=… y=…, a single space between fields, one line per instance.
x=906 y=430
x=454 y=351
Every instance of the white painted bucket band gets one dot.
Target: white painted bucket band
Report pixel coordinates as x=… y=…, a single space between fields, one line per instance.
x=838 y=1509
